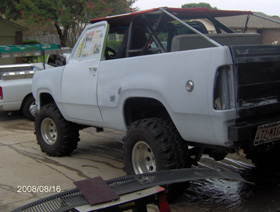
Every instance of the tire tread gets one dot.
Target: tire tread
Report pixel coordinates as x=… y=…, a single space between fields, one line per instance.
x=67 y=141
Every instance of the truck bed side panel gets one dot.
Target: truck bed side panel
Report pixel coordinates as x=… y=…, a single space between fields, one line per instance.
x=14 y=91
x=163 y=77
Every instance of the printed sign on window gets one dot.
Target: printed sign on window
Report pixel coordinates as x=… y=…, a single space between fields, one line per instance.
x=91 y=44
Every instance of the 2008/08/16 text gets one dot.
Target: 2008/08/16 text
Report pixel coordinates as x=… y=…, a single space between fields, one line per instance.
x=38 y=189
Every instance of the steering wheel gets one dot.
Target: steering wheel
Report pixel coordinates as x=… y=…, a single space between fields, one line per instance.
x=110 y=53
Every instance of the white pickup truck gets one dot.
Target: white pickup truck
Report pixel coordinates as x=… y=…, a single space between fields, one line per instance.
x=178 y=91
x=15 y=88
x=16 y=79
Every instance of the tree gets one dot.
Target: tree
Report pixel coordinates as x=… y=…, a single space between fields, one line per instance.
x=68 y=16
x=8 y=10
x=196 y=5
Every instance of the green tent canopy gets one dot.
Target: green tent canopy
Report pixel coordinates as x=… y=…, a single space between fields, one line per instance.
x=28 y=50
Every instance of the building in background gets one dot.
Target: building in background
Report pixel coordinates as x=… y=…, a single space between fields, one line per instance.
x=269 y=30
x=10 y=34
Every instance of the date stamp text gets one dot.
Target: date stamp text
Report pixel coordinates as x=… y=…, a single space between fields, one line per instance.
x=38 y=189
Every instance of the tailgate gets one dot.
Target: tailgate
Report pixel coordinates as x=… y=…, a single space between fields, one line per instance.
x=257 y=80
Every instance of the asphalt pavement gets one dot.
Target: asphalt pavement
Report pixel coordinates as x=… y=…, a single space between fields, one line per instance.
x=27 y=174
x=25 y=169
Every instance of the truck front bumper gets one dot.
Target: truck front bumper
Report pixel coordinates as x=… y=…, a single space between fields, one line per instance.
x=33 y=110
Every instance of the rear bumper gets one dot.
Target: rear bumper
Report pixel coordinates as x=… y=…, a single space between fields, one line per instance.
x=12 y=106
x=245 y=132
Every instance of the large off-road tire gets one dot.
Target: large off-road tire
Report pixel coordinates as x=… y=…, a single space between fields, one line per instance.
x=153 y=145
x=264 y=156
x=55 y=135
x=27 y=103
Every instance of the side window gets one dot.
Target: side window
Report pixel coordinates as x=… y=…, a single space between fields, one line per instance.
x=114 y=40
x=90 y=43
x=163 y=38
x=143 y=42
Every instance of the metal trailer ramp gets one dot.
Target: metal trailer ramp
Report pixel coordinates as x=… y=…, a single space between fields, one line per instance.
x=127 y=184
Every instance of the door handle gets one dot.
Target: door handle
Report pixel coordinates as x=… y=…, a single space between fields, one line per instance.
x=92 y=69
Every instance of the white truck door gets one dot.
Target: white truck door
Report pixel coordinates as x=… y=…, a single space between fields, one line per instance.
x=79 y=80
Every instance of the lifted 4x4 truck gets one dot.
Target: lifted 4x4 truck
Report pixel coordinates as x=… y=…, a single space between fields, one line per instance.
x=178 y=91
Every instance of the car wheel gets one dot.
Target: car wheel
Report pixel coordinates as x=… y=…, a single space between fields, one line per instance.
x=55 y=135
x=153 y=145
x=265 y=155
x=28 y=102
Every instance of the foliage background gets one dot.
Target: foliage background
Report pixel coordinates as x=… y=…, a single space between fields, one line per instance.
x=65 y=17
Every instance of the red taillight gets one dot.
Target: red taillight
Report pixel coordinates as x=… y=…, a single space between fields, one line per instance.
x=1 y=93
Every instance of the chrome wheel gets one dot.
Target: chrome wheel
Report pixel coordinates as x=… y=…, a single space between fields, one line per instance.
x=143 y=159
x=49 y=131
